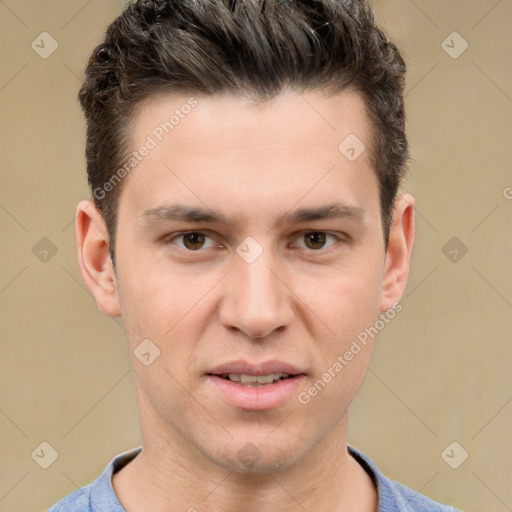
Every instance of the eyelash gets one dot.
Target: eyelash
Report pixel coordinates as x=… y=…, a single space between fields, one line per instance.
x=170 y=239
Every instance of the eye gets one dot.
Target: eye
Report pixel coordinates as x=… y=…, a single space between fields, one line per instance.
x=191 y=240
x=316 y=240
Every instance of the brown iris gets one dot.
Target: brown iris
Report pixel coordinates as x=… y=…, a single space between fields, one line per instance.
x=315 y=239
x=193 y=241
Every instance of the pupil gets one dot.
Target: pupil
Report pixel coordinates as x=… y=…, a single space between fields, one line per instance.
x=317 y=240
x=193 y=240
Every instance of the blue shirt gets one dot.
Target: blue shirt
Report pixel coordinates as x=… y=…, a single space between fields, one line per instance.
x=99 y=496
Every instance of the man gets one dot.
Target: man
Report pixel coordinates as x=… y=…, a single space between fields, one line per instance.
x=244 y=159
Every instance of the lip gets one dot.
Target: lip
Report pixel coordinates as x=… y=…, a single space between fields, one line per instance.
x=256 y=398
x=256 y=369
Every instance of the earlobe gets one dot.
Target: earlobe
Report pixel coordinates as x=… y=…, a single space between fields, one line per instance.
x=94 y=258
x=398 y=254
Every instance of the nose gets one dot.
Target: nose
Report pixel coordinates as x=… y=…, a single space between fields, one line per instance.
x=257 y=301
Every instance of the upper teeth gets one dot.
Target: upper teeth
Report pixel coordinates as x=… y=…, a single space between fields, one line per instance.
x=253 y=379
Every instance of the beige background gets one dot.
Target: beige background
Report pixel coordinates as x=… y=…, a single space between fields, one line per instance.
x=442 y=369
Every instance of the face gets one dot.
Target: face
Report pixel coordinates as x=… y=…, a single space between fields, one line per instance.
x=249 y=245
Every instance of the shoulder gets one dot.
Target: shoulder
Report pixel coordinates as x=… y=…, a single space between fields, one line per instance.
x=394 y=495
x=410 y=500
x=78 y=501
x=98 y=496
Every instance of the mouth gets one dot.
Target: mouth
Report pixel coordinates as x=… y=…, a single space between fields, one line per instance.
x=253 y=374
x=254 y=380
x=256 y=386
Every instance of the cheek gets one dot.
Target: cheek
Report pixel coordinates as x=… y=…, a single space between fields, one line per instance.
x=348 y=305
x=155 y=298
x=172 y=309
x=348 y=301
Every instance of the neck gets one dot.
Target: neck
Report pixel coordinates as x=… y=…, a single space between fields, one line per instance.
x=169 y=474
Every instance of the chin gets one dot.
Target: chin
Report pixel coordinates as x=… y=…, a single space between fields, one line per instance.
x=252 y=458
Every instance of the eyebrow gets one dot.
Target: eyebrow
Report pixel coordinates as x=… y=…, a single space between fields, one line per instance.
x=329 y=211
x=183 y=213
x=180 y=212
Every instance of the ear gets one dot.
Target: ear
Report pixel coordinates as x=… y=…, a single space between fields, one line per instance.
x=398 y=253
x=94 y=258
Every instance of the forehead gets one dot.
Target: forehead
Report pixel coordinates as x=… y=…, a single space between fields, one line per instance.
x=232 y=152
x=212 y=122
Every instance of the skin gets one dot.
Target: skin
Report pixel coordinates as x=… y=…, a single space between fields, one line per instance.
x=299 y=303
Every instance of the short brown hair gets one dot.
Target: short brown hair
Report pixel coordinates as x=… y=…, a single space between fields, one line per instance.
x=254 y=48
